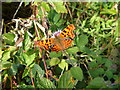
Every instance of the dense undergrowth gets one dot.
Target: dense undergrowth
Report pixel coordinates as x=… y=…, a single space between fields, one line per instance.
x=92 y=62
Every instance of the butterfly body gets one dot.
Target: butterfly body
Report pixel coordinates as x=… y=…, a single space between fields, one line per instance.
x=60 y=41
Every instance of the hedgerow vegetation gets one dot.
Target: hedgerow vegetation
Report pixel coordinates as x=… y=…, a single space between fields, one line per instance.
x=92 y=62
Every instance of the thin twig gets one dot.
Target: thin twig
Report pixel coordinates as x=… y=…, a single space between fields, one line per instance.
x=53 y=77
x=17 y=9
x=36 y=30
x=87 y=70
x=43 y=57
x=32 y=79
x=68 y=10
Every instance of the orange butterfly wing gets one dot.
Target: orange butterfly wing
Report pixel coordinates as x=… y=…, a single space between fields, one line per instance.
x=68 y=32
x=64 y=44
x=60 y=42
x=45 y=44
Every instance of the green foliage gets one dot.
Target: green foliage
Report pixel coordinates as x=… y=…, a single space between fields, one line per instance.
x=93 y=61
x=77 y=73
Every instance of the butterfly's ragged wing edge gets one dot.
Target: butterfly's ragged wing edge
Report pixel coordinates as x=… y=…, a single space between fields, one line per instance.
x=68 y=32
x=45 y=44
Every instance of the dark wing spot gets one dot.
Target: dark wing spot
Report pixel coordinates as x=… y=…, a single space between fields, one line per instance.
x=42 y=41
x=67 y=28
x=64 y=31
x=64 y=35
x=46 y=40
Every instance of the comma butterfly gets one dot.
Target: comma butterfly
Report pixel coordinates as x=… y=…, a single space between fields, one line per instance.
x=59 y=41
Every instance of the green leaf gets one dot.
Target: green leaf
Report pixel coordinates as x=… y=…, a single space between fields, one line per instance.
x=92 y=64
x=30 y=59
x=94 y=73
x=25 y=73
x=39 y=70
x=84 y=23
x=66 y=80
x=45 y=6
x=72 y=50
x=9 y=38
x=100 y=60
x=12 y=48
x=13 y=70
x=82 y=41
x=25 y=86
x=59 y=7
x=109 y=74
x=1 y=52
x=108 y=11
x=6 y=64
x=45 y=83
x=97 y=82
x=26 y=42
x=26 y=3
x=100 y=71
x=97 y=72
x=63 y=65
x=77 y=73
x=108 y=63
x=72 y=61
x=54 y=61
x=93 y=18
x=6 y=55
x=56 y=18
x=55 y=54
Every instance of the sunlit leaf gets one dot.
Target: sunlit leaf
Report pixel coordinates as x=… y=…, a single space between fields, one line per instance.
x=63 y=65
x=6 y=64
x=59 y=7
x=6 y=55
x=54 y=61
x=72 y=50
x=9 y=38
x=26 y=42
x=45 y=6
x=108 y=11
x=25 y=73
x=66 y=80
